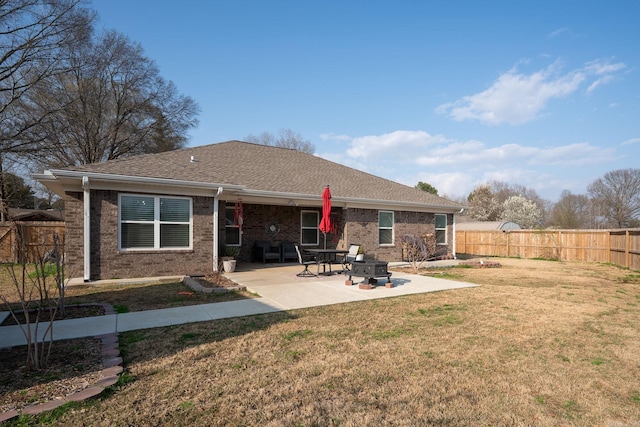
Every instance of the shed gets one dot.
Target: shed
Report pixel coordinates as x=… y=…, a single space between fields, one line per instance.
x=487 y=226
x=16 y=214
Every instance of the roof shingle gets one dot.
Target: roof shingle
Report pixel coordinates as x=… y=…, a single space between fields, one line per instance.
x=264 y=168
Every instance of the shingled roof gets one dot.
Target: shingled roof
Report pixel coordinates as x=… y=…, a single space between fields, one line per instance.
x=265 y=168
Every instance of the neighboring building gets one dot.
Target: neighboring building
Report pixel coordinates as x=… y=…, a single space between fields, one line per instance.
x=16 y=214
x=170 y=213
x=487 y=226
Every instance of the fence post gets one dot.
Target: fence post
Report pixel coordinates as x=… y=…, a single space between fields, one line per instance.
x=627 y=249
x=560 y=245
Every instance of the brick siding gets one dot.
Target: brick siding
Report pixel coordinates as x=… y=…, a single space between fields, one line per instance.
x=356 y=225
x=107 y=262
x=361 y=227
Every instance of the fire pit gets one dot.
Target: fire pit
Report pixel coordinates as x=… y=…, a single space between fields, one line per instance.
x=370 y=270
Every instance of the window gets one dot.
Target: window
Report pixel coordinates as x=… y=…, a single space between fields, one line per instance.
x=441 y=229
x=232 y=229
x=154 y=222
x=385 y=227
x=309 y=232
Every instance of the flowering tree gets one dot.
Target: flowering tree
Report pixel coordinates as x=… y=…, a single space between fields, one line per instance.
x=522 y=211
x=483 y=204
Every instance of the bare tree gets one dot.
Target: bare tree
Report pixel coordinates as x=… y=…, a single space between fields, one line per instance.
x=33 y=35
x=418 y=249
x=572 y=211
x=617 y=195
x=112 y=103
x=286 y=138
x=39 y=302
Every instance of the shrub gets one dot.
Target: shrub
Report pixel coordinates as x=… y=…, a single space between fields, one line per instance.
x=418 y=249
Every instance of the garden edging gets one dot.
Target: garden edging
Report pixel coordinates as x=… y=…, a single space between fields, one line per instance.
x=111 y=370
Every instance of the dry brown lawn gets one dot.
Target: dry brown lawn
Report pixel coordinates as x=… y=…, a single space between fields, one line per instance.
x=124 y=297
x=540 y=343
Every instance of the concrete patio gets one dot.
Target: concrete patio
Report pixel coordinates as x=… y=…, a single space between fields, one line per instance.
x=278 y=288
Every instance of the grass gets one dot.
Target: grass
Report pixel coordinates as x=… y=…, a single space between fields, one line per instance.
x=127 y=297
x=516 y=351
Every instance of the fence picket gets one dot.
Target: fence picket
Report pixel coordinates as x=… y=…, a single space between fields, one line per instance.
x=37 y=237
x=621 y=247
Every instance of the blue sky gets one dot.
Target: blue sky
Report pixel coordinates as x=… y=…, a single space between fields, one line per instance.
x=544 y=94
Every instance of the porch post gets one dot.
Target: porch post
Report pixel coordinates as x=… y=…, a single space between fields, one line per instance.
x=216 y=220
x=87 y=228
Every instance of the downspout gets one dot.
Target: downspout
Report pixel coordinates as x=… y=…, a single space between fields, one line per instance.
x=454 y=234
x=454 y=237
x=87 y=229
x=216 y=219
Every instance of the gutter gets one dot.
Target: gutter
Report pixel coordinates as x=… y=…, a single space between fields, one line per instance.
x=348 y=200
x=106 y=177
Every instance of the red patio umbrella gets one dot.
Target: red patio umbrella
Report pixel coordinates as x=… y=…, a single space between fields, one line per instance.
x=325 y=223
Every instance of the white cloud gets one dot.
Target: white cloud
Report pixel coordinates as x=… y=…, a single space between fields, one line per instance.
x=333 y=137
x=600 y=68
x=420 y=149
x=578 y=154
x=598 y=82
x=399 y=144
x=517 y=98
x=631 y=141
x=557 y=32
x=457 y=167
x=451 y=183
x=476 y=154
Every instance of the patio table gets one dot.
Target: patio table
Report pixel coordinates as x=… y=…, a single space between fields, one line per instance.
x=328 y=257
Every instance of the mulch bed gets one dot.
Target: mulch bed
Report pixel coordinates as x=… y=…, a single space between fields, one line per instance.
x=72 y=367
x=216 y=281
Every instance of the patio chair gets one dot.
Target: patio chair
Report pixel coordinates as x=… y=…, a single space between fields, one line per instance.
x=288 y=251
x=306 y=263
x=350 y=257
x=264 y=251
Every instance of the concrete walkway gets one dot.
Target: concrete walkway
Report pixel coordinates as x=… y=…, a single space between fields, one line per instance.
x=278 y=288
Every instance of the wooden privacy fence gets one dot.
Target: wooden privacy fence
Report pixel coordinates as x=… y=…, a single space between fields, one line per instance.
x=23 y=241
x=621 y=247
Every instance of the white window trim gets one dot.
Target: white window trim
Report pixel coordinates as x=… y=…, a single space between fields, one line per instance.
x=232 y=226
x=317 y=227
x=392 y=228
x=446 y=225
x=156 y=224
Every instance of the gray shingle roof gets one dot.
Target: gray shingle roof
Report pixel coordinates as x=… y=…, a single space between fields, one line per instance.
x=265 y=168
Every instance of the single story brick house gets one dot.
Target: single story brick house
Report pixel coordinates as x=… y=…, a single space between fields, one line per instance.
x=172 y=213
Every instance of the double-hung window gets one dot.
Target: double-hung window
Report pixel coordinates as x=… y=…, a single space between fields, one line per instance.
x=309 y=231
x=441 y=229
x=154 y=222
x=385 y=227
x=232 y=229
